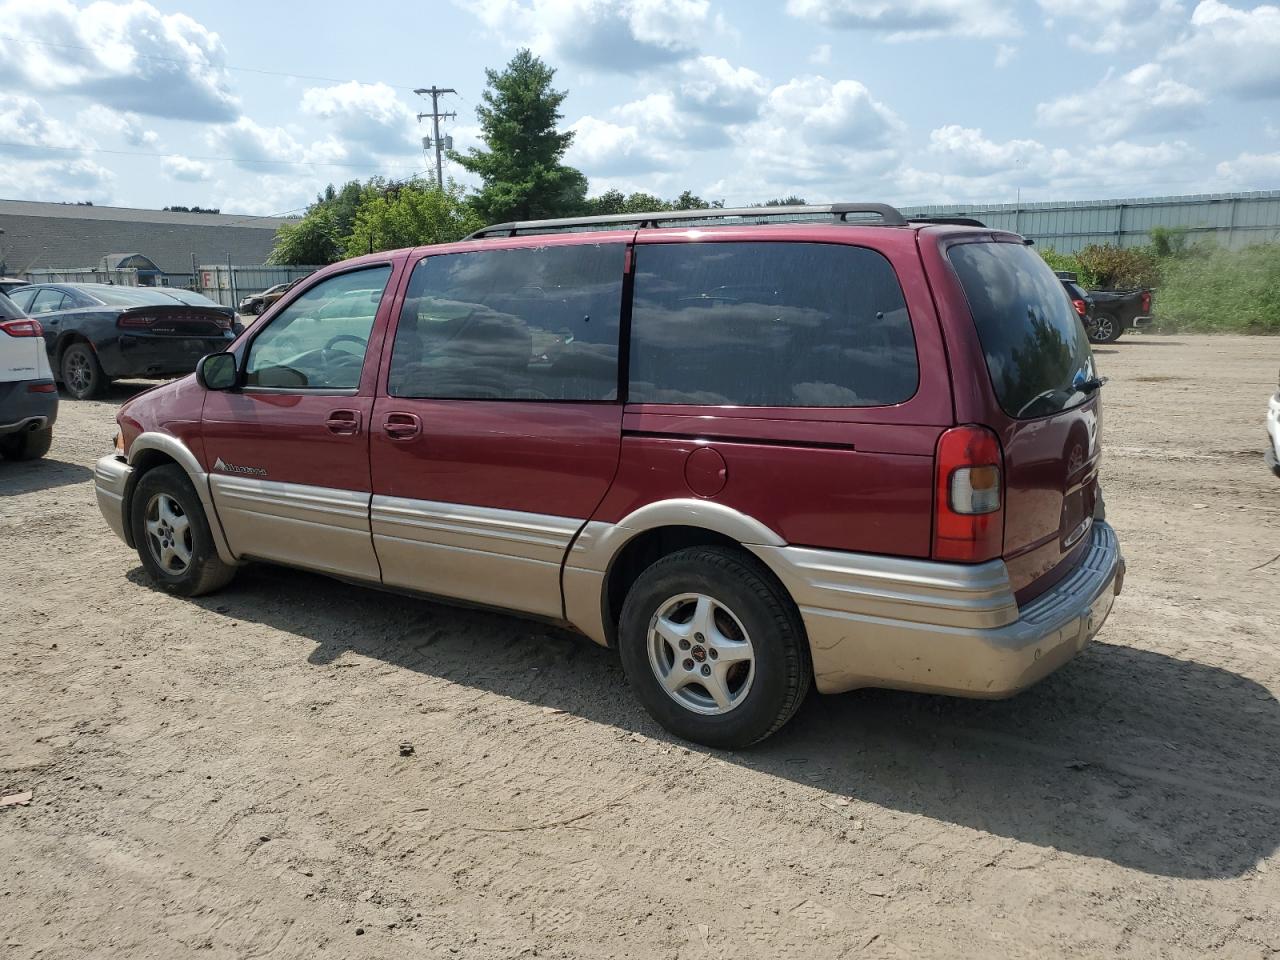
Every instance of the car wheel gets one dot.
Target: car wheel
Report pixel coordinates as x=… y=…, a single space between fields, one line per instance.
x=172 y=534
x=27 y=445
x=1106 y=329
x=82 y=375
x=714 y=648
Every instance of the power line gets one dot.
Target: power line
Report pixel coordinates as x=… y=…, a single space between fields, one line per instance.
x=205 y=63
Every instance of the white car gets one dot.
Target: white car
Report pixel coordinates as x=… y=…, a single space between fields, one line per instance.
x=28 y=393
x=1273 y=431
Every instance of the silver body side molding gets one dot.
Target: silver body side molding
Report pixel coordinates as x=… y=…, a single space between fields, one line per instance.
x=501 y=558
x=316 y=528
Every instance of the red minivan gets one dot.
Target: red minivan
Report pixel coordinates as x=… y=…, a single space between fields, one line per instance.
x=752 y=449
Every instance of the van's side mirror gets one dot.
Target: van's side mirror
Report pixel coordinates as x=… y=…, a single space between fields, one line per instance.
x=217 y=371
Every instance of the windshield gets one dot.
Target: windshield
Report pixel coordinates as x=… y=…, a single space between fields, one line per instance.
x=1035 y=345
x=8 y=309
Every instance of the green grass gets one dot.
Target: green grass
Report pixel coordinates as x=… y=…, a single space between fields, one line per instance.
x=1211 y=290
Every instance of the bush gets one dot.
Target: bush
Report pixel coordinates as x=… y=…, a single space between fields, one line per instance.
x=1119 y=268
x=1221 y=291
x=1068 y=262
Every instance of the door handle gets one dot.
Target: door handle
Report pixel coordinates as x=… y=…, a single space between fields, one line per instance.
x=402 y=426
x=343 y=422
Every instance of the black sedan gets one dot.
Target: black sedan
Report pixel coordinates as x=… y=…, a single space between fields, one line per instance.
x=97 y=332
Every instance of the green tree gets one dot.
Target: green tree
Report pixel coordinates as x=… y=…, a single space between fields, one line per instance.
x=408 y=215
x=313 y=240
x=521 y=173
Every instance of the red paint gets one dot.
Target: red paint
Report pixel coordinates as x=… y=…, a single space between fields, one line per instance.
x=705 y=472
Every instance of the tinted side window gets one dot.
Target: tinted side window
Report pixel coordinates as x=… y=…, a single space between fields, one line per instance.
x=23 y=297
x=46 y=301
x=769 y=325
x=527 y=324
x=1035 y=345
x=319 y=340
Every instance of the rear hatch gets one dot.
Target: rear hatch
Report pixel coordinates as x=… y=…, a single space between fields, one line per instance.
x=20 y=349
x=1048 y=412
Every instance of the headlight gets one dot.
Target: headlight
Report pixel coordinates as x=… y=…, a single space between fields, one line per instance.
x=119 y=443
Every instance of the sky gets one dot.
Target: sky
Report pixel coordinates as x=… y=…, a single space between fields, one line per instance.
x=254 y=107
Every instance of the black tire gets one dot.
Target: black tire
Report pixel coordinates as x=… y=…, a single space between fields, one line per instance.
x=82 y=374
x=204 y=572
x=1106 y=329
x=27 y=445
x=782 y=666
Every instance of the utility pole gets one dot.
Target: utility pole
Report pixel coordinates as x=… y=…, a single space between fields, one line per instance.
x=436 y=116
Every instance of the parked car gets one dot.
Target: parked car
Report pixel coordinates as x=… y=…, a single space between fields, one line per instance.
x=97 y=332
x=1081 y=301
x=753 y=456
x=9 y=284
x=1273 y=431
x=28 y=395
x=257 y=303
x=1115 y=311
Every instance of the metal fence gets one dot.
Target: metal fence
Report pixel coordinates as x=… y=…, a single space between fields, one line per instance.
x=228 y=284
x=1233 y=220
x=124 y=278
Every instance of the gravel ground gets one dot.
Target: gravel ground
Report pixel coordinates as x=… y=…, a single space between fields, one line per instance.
x=224 y=775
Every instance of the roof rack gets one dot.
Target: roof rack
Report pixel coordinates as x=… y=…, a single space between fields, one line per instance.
x=838 y=212
x=954 y=221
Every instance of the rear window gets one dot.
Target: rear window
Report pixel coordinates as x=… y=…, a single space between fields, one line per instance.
x=769 y=325
x=1035 y=345
x=128 y=296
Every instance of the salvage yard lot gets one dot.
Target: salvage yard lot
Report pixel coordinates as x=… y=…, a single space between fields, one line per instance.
x=226 y=774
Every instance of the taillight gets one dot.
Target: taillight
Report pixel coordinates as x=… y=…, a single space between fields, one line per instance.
x=968 y=506
x=1146 y=301
x=22 y=327
x=1081 y=307
x=135 y=321
x=223 y=321
x=49 y=387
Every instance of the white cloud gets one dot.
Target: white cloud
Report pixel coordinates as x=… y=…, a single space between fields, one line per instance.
x=1110 y=26
x=1251 y=170
x=913 y=19
x=368 y=115
x=43 y=157
x=970 y=166
x=619 y=36
x=1232 y=50
x=128 y=126
x=716 y=90
x=1144 y=100
x=602 y=148
x=186 y=169
x=254 y=146
x=1005 y=53
x=128 y=56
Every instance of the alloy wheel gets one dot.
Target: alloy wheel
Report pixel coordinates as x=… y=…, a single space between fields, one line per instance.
x=701 y=654
x=168 y=534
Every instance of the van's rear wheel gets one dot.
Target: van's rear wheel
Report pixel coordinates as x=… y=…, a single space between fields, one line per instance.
x=714 y=648
x=172 y=534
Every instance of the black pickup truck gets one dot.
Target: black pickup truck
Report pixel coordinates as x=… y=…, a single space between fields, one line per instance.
x=1115 y=311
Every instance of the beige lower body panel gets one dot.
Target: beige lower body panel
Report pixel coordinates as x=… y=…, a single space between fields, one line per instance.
x=943 y=633
x=500 y=558
x=316 y=528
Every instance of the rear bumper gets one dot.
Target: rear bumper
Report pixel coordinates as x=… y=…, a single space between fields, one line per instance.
x=1139 y=322
x=142 y=355
x=943 y=628
x=21 y=409
x=110 y=480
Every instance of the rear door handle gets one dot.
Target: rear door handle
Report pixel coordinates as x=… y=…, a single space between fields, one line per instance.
x=402 y=426
x=343 y=422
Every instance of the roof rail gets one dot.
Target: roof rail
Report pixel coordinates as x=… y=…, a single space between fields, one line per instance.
x=839 y=212
x=954 y=221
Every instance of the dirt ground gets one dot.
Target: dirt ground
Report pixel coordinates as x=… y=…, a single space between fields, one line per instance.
x=224 y=775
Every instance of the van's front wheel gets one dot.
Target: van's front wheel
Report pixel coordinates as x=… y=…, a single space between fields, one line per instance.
x=172 y=533
x=714 y=648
